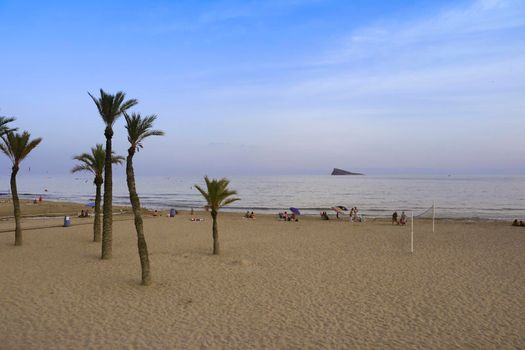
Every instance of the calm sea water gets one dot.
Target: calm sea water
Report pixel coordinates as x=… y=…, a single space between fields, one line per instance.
x=375 y=196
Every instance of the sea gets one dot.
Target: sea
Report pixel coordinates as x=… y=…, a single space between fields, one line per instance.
x=472 y=197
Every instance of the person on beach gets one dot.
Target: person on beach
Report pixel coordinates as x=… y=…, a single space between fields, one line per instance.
x=324 y=216
x=515 y=223
x=251 y=215
x=394 y=218
x=81 y=214
x=403 y=219
x=247 y=214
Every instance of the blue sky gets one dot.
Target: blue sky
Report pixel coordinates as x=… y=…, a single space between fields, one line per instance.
x=274 y=87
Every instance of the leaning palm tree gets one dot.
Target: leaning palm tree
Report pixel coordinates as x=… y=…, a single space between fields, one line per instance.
x=110 y=107
x=217 y=195
x=94 y=163
x=17 y=146
x=139 y=128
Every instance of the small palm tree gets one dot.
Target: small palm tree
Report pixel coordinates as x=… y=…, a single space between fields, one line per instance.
x=139 y=128
x=94 y=163
x=17 y=147
x=110 y=107
x=217 y=195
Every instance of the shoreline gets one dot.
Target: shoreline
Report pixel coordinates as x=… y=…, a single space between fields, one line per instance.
x=43 y=211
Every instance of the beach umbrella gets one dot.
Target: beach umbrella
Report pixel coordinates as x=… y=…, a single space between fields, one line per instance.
x=295 y=211
x=90 y=204
x=342 y=207
x=338 y=210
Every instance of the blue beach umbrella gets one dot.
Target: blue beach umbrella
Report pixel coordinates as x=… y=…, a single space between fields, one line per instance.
x=295 y=211
x=90 y=204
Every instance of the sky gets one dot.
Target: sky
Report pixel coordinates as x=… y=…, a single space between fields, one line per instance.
x=275 y=87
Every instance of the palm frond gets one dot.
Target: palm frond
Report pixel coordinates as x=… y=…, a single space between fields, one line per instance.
x=110 y=107
x=79 y=167
x=203 y=193
x=115 y=159
x=94 y=162
x=217 y=194
x=140 y=128
x=17 y=146
x=229 y=201
x=4 y=128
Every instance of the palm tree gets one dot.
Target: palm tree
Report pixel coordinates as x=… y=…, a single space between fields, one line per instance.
x=110 y=107
x=138 y=129
x=94 y=163
x=17 y=146
x=217 y=195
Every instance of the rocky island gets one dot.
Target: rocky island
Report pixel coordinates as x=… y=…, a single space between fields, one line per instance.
x=337 y=171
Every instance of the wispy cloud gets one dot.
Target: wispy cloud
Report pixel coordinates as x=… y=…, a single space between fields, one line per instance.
x=458 y=52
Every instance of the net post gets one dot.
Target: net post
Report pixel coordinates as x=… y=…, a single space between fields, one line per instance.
x=412 y=233
x=433 y=216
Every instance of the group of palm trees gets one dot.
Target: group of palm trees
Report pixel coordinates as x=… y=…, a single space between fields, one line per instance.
x=100 y=162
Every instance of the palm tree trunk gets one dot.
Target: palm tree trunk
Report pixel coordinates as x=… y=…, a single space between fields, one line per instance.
x=139 y=226
x=16 y=206
x=215 y=230
x=96 y=223
x=107 y=221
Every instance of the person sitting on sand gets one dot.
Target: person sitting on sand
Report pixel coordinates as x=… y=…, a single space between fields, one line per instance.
x=324 y=216
x=247 y=214
x=522 y=223
x=81 y=214
x=251 y=215
x=403 y=219
x=394 y=218
x=515 y=223
x=285 y=216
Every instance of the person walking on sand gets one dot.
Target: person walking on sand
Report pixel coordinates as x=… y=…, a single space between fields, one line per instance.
x=394 y=218
x=403 y=219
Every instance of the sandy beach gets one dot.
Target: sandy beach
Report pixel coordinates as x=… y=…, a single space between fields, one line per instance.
x=276 y=285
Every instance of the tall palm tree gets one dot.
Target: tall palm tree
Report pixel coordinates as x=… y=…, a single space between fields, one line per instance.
x=94 y=163
x=139 y=128
x=217 y=195
x=110 y=107
x=17 y=146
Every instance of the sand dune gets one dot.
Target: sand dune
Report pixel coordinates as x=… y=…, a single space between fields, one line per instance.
x=277 y=285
